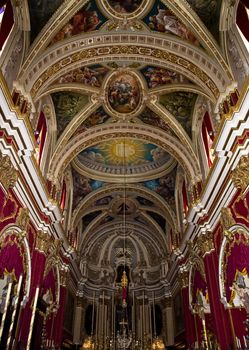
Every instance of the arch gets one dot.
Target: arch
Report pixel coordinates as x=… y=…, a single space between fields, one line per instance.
x=7 y=21
x=21 y=241
x=186 y=157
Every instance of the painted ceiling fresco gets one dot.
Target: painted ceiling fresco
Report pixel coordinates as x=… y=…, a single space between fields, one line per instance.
x=82 y=187
x=87 y=19
x=158 y=76
x=125 y=6
x=164 y=186
x=158 y=219
x=40 y=13
x=209 y=13
x=87 y=219
x=124 y=152
x=144 y=201
x=91 y=75
x=161 y=19
x=180 y=105
x=67 y=105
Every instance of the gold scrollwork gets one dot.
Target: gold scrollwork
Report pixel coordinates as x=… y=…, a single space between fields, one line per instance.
x=183 y=278
x=8 y=174
x=206 y=243
x=22 y=220
x=226 y=218
x=42 y=242
x=240 y=175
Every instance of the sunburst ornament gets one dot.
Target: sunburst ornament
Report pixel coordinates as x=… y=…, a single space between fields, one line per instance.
x=124 y=151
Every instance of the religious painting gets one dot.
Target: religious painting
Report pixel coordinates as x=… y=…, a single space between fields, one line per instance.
x=67 y=105
x=87 y=219
x=40 y=13
x=162 y=19
x=125 y=6
x=120 y=152
x=209 y=12
x=88 y=19
x=82 y=187
x=92 y=75
x=164 y=186
x=151 y=118
x=144 y=201
x=158 y=219
x=103 y=201
x=124 y=93
x=240 y=289
x=178 y=313
x=180 y=105
x=106 y=219
x=158 y=76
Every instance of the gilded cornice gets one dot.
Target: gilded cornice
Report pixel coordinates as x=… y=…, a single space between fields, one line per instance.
x=205 y=243
x=8 y=174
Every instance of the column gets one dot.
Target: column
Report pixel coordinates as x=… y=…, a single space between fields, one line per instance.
x=189 y=321
x=38 y=262
x=169 y=316
x=78 y=321
x=222 y=327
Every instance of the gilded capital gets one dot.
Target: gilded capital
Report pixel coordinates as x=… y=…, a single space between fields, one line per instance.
x=240 y=175
x=8 y=174
x=205 y=243
x=183 y=278
x=22 y=220
x=43 y=242
x=226 y=218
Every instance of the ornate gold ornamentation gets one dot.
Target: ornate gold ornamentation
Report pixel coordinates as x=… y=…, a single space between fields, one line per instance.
x=8 y=174
x=240 y=175
x=64 y=277
x=206 y=243
x=43 y=242
x=22 y=220
x=183 y=278
x=226 y=218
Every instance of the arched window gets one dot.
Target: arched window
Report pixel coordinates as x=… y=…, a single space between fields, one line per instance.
x=208 y=137
x=40 y=135
x=6 y=20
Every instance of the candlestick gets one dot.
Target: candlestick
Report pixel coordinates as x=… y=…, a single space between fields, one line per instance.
x=32 y=318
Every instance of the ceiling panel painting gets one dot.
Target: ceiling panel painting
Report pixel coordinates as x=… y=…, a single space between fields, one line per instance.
x=151 y=118
x=180 y=105
x=124 y=152
x=92 y=75
x=158 y=218
x=83 y=186
x=164 y=186
x=144 y=201
x=125 y=6
x=209 y=12
x=157 y=76
x=103 y=201
x=67 y=105
x=88 y=19
x=40 y=13
x=87 y=219
x=162 y=19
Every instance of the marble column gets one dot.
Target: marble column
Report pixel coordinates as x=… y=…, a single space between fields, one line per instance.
x=78 y=321
x=189 y=320
x=169 y=318
x=221 y=323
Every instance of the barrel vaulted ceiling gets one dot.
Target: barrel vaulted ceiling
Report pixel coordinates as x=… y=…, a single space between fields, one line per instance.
x=122 y=82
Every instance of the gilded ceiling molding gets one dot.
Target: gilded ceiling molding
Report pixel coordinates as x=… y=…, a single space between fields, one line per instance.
x=8 y=174
x=104 y=132
x=124 y=51
x=43 y=242
x=205 y=243
x=90 y=199
x=189 y=17
x=226 y=218
x=240 y=175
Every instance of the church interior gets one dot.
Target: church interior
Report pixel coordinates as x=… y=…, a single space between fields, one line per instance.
x=124 y=174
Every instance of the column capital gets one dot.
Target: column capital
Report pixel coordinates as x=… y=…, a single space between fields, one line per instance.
x=226 y=218
x=8 y=174
x=183 y=278
x=205 y=243
x=22 y=219
x=43 y=242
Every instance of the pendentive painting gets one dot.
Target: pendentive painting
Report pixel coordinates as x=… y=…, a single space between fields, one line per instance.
x=125 y=6
x=124 y=93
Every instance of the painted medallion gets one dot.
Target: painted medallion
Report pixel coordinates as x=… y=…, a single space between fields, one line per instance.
x=125 y=6
x=124 y=93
